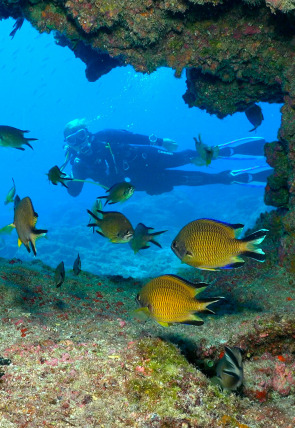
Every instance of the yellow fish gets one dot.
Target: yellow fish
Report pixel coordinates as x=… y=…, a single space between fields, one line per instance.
x=211 y=245
x=113 y=225
x=170 y=299
x=10 y=195
x=119 y=192
x=13 y=137
x=25 y=219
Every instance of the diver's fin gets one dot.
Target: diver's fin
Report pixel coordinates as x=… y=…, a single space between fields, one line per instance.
x=255 y=184
x=236 y=143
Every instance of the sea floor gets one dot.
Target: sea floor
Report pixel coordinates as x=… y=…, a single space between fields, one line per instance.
x=78 y=358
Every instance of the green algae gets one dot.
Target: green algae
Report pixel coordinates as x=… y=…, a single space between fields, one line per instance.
x=157 y=385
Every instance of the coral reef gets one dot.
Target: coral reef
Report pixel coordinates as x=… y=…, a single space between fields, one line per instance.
x=77 y=351
x=235 y=53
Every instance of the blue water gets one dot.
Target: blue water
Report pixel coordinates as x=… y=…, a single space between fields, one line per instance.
x=43 y=86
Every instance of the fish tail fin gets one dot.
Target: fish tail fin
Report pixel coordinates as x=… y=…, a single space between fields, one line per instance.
x=204 y=303
x=94 y=216
x=27 y=142
x=36 y=233
x=158 y=233
x=250 y=244
x=153 y=241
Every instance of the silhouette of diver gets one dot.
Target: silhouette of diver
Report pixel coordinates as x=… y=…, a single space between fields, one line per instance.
x=112 y=156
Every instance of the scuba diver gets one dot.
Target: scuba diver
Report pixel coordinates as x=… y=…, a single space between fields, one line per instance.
x=112 y=156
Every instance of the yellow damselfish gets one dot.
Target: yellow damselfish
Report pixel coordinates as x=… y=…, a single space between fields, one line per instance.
x=170 y=299
x=211 y=245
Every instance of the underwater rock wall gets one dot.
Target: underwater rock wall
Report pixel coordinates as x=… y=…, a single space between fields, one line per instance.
x=235 y=53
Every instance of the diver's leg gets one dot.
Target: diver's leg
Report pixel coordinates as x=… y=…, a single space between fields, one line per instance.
x=196 y=178
x=160 y=159
x=256 y=175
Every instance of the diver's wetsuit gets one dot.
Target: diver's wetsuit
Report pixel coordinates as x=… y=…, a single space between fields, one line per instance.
x=117 y=155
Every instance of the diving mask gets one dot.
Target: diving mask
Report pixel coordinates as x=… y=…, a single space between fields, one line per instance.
x=79 y=141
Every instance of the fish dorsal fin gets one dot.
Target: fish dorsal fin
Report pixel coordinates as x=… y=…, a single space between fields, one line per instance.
x=234 y=230
x=192 y=287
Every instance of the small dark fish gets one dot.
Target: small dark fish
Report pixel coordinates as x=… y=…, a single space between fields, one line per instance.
x=229 y=369
x=142 y=236
x=10 y=195
x=59 y=275
x=17 y=26
x=55 y=175
x=25 y=219
x=212 y=245
x=254 y=115
x=77 y=265
x=113 y=225
x=13 y=137
x=170 y=299
x=119 y=192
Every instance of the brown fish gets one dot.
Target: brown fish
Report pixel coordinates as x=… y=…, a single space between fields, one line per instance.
x=170 y=299
x=254 y=115
x=113 y=225
x=211 y=245
x=142 y=236
x=59 y=274
x=229 y=369
x=119 y=192
x=55 y=175
x=25 y=219
x=13 y=137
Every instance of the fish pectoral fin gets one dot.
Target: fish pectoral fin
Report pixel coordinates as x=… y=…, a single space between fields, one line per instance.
x=142 y=314
x=205 y=268
x=163 y=324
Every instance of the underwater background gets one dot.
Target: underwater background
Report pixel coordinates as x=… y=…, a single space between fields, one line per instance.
x=76 y=355
x=43 y=86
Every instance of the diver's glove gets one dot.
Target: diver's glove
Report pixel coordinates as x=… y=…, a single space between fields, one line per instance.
x=170 y=145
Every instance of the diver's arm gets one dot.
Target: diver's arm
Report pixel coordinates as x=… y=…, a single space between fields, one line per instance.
x=75 y=187
x=120 y=136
